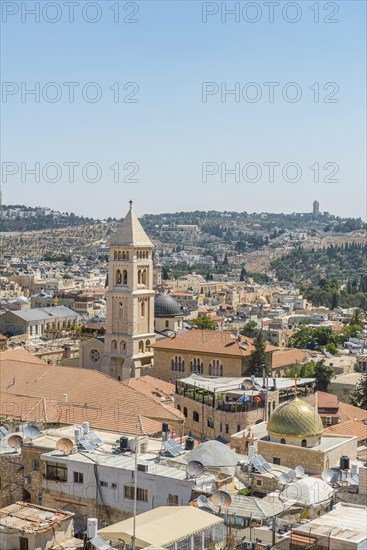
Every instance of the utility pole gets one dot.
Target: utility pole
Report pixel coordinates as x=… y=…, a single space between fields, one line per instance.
x=133 y=542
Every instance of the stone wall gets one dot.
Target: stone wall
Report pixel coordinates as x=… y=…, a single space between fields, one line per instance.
x=11 y=479
x=313 y=461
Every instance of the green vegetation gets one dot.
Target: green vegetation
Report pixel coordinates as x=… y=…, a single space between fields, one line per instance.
x=258 y=357
x=359 y=396
x=249 y=329
x=318 y=370
x=203 y=322
x=323 y=337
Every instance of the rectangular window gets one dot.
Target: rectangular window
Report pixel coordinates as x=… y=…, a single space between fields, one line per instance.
x=56 y=472
x=113 y=485
x=172 y=500
x=142 y=494
x=329 y=420
x=78 y=477
x=104 y=484
x=36 y=465
x=276 y=460
x=258 y=482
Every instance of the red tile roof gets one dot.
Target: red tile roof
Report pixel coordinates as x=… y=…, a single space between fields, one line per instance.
x=349 y=428
x=33 y=389
x=208 y=341
x=284 y=358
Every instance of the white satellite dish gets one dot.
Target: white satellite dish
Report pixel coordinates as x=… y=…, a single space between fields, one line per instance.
x=30 y=431
x=284 y=478
x=332 y=475
x=202 y=501
x=300 y=471
x=195 y=468
x=292 y=474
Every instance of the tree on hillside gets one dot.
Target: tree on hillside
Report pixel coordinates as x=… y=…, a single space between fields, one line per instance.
x=304 y=370
x=203 y=322
x=165 y=275
x=258 y=357
x=359 y=395
x=249 y=329
x=323 y=374
x=243 y=274
x=357 y=317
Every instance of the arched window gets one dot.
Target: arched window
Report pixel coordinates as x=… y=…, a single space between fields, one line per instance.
x=282 y=441
x=144 y=277
x=139 y=276
x=121 y=310
x=185 y=412
x=273 y=405
x=196 y=365
x=195 y=416
x=124 y=277
x=141 y=346
x=114 y=345
x=115 y=255
x=227 y=429
x=123 y=256
x=210 y=422
x=178 y=407
x=215 y=368
x=143 y=309
x=119 y=255
x=304 y=443
x=122 y=346
x=177 y=364
x=118 y=277
x=127 y=256
x=147 y=344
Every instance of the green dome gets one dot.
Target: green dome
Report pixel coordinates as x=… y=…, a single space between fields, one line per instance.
x=295 y=419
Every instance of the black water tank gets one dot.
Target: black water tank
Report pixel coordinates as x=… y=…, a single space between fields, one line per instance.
x=189 y=444
x=165 y=427
x=344 y=462
x=124 y=443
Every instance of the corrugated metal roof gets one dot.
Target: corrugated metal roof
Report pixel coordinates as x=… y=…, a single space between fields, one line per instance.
x=29 y=518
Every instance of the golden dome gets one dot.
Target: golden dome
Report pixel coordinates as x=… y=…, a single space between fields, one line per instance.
x=295 y=418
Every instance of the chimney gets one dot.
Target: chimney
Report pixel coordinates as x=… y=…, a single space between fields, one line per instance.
x=65 y=397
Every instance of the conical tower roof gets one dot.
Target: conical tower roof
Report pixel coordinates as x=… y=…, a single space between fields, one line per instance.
x=130 y=232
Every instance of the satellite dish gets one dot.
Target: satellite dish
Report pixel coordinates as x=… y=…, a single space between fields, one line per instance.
x=202 y=501
x=284 y=478
x=195 y=468
x=333 y=475
x=300 y=471
x=15 y=441
x=292 y=474
x=65 y=445
x=31 y=431
x=221 y=498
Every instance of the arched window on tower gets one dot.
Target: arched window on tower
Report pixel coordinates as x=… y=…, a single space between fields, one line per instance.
x=144 y=277
x=122 y=346
x=141 y=346
x=139 y=276
x=143 y=309
x=121 y=310
x=114 y=345
x=115 y=255
x=124 y=277
x=118 y=277
x=127 y=255
x=123 y=256
x=119 y=255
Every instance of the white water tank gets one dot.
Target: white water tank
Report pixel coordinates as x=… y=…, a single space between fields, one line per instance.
x=86 y=427
x=92 y=527
x=77 y=433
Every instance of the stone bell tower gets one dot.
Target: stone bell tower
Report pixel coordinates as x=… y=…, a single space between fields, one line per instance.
x=130 y=301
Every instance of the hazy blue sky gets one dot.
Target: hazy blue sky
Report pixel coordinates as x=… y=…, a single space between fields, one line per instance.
x=169 y=132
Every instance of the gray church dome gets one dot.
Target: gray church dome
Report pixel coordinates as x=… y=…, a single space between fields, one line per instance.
x=166 y=306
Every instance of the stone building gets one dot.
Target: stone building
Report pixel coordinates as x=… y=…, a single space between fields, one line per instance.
x=168 y=315
x=295 y=437
x=37 y=322
x=206 y=352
